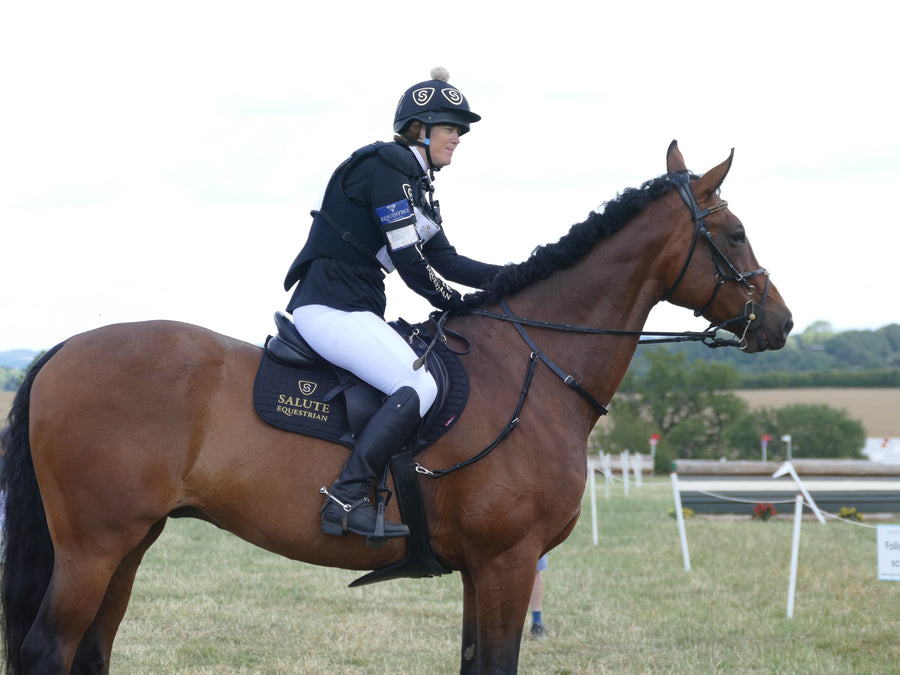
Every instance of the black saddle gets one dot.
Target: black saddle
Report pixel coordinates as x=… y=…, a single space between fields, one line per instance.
x=298 y=390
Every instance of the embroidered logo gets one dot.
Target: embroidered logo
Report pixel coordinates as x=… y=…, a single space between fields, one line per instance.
x=391 y=213
x=453 y=95
x=422 y=96
x=293 y=405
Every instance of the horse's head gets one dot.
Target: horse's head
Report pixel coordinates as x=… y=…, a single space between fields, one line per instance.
x=720 y=278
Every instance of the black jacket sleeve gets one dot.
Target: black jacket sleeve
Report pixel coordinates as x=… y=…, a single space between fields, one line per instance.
x=390 y=188
x=420 y=277
x=393 y=212
x=455 y=267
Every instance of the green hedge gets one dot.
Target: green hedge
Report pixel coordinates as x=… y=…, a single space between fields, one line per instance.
x=829 y=378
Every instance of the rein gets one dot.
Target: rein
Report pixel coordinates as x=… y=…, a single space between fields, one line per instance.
x=751 y=316
x=708 y=337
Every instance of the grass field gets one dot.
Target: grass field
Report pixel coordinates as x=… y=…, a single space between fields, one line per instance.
x=207 y=603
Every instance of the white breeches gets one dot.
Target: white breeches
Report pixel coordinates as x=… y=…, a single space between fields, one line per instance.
x=364 y=344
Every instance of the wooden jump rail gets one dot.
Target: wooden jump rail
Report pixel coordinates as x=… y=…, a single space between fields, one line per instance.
x=736 y=487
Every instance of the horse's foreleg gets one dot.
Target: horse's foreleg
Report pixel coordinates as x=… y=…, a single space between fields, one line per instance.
x=502 y=590
x=94 y=652
x=469 y=658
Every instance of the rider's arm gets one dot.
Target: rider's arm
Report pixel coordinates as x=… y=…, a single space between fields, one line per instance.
x=394 y=215
x=458 y=268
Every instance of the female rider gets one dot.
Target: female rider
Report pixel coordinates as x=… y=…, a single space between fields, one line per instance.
x=378 y=214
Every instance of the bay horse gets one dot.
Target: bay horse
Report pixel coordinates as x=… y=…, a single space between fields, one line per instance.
x=117 y=429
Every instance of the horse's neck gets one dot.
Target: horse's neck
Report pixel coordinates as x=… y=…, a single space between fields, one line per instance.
x=612 y=287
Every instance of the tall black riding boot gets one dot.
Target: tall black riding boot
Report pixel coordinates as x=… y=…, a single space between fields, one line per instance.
x=347 y=506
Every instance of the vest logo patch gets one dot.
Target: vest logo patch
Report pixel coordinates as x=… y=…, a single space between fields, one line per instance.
x=391 y=213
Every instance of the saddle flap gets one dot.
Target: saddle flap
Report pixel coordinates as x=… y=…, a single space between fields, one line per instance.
x=298 y=391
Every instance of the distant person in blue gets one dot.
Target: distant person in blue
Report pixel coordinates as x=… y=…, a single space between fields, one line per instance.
x=537 y=601
x=379 y=214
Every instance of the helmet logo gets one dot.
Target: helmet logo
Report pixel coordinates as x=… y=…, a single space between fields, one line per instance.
x=453 y=95
x=422 y=96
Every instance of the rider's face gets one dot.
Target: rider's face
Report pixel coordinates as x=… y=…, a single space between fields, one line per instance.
x=444 y=139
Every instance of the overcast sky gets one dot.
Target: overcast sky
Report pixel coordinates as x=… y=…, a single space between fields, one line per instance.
x=159 y=159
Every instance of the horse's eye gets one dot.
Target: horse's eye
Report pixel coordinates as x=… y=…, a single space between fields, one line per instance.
x=739 y=237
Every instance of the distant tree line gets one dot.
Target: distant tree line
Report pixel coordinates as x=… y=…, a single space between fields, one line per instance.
x=10 y=378
x=693 y=407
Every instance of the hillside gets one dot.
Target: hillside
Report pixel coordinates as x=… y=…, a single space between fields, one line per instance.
x=817 y=357
x=17 y=358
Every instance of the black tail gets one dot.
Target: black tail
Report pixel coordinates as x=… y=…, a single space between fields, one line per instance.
x=29 y=551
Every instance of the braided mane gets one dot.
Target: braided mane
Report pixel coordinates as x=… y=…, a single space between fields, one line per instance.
x=573 y=246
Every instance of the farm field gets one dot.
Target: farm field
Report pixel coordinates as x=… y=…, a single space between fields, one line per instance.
x=877 y=409
x=6 y=399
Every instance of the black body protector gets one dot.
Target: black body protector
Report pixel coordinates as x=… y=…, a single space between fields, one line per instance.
x=377 y=215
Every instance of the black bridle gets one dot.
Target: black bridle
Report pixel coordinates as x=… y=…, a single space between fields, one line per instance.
x=752 y=314
x=714 y=336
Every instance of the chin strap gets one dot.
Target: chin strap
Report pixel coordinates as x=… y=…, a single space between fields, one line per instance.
x=427 y=145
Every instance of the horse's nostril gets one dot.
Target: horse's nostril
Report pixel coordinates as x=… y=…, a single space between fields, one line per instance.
x=788 y=325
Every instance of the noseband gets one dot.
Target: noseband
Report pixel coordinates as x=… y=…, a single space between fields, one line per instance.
x=753 y=314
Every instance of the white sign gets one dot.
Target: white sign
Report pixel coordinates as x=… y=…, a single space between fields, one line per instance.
x=888 y=552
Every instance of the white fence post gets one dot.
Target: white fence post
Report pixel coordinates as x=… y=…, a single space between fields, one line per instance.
x=591 y=479
x=607 y=472
x=679 y=516
x=795 y=553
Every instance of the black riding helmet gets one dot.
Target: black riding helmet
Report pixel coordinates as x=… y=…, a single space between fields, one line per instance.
x=434 y=102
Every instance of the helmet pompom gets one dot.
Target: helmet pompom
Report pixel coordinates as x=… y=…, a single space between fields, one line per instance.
x=440 y=73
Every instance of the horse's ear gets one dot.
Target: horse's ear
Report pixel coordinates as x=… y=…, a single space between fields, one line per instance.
x=713 y=178
x=674 y=160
